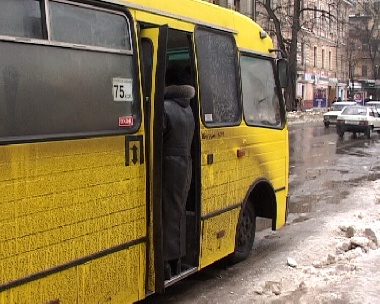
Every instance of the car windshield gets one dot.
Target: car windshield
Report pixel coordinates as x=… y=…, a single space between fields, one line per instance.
x=337 y=107
x=376 y=105
x=355 y=111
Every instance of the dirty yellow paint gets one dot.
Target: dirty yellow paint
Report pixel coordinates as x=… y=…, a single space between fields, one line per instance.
x=218 y=237
x=67 y=200
x=228 y=179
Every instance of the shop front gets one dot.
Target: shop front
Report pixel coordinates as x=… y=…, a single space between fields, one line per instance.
x=320 y=93
x=320 y=98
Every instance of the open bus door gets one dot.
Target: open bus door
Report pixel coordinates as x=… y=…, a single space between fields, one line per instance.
x=161 y=47
x=153 y=42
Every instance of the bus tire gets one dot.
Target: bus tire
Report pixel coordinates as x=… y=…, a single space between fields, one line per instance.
x=245 y=234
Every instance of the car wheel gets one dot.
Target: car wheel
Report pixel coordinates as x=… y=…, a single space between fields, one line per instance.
x=368 y=132
x=326 y=124
x=340 y=134
x=245 y=234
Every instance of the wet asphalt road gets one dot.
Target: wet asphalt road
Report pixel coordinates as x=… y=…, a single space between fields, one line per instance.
x=323 y=171
x=323 y=167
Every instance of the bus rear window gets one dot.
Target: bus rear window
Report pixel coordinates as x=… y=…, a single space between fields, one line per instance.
x=21 y=18
x=82 y=25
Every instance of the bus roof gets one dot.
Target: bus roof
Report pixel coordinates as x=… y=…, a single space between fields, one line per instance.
x=250 y=35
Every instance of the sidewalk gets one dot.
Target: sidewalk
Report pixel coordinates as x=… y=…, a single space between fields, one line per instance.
x=306 y=116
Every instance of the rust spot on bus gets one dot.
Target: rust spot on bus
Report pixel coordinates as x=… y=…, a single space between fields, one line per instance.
x=240 y=152
x=55 y=301
x=220 y=234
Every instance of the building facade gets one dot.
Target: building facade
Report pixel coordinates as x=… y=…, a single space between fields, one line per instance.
x=322 y=43
x=363 y=54
x=322 y=69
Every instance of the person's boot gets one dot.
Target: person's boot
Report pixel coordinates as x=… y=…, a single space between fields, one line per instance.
x=167 y=271
x=176 y=266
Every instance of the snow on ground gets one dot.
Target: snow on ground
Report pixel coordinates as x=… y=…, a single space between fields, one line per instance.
x=338 y=265
x=306 y=116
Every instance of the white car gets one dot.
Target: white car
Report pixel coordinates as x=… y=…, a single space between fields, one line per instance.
x=375 y=104
x=329 y=118
x=358 y=119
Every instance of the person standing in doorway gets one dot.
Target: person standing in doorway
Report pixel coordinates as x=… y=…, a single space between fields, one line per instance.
x=178 y=131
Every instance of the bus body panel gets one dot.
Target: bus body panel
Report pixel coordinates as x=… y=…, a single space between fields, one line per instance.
x=218 y=236
x=67 y=206
x=227 y=181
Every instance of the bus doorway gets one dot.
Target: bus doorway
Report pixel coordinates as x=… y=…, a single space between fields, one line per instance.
x=163 y=47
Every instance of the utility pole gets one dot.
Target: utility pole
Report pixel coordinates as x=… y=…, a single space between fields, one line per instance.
x=376 y=82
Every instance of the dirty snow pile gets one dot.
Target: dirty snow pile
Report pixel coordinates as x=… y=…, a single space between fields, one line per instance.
x=306 y=116
x=339 y=265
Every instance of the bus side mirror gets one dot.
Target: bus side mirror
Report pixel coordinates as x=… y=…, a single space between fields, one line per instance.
x=283 y=71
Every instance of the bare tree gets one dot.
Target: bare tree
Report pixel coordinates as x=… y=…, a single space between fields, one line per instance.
x=288 y=19
x=353 y=56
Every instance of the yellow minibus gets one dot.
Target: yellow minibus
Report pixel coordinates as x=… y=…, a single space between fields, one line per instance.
x=81 y=113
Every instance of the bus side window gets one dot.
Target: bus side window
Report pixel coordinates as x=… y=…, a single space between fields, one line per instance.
x=218 y=78
x=22 y=18
x=80 y=25
x=261 y=102
x=61 y=89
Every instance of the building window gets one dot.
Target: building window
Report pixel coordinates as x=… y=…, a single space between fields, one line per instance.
x=290 y=9
x=315 y=57
x=364 y=70
x=273 y=4
x=302 y=53
x=237 y=5
x=329 y=60
x=331 y=24
x=323 y=59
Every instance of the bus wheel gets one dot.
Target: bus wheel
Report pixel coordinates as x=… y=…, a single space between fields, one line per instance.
x=245 y=234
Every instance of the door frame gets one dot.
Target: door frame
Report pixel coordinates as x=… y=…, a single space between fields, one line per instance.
x=158 y=36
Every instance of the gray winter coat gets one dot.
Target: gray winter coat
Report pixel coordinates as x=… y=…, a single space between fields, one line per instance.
x=177 y=168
